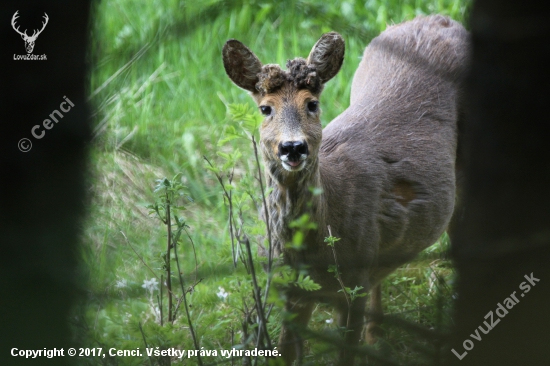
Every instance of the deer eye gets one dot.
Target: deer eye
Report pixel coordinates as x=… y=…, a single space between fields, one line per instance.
x=265 y=109
x=313 y=106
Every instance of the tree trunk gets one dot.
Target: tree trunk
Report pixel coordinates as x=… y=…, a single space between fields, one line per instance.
x=504 y=232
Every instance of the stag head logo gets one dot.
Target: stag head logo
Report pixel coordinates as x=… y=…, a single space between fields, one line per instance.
x=29 y=40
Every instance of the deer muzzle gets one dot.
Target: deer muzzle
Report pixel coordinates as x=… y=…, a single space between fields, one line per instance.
x=293 y=154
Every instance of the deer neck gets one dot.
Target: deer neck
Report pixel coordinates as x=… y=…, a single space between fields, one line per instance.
x=291 y=197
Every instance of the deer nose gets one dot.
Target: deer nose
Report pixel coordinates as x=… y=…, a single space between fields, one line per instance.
x=292 y=150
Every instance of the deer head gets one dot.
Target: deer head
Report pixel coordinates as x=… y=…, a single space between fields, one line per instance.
x=289 y=99
x=29 y=40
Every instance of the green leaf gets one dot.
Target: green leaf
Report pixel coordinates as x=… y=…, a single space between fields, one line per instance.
x=227 y=138
x=230 y=133
x=228 y=164
x=252 y=122
x=223 y=155
x=306 y=283
x=239 y=111
x=212 y=169
x=330 y=240
x=303 y=222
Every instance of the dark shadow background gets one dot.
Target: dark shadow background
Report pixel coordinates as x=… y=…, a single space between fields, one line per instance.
x=504 y=233
x=42 y=192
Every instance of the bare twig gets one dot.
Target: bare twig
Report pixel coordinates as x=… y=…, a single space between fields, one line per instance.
x=262 y=319
x=142 y=261
x=262 y=327
x=180 y=299
x=145 y=341
x=140 y=258
x=339 y=278
x=268 y=228
x=228 y=196
x=238 y=238
x=195 y=254
x=167 y=258
x=185 y=305
x=159 y=300
x=232 y=343
x=266 y=211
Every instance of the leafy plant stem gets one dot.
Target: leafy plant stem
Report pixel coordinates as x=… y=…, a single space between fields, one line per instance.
x=185 y=305
x=167 y=258
x=339 y=278
x=145 y=341
x=266 y=213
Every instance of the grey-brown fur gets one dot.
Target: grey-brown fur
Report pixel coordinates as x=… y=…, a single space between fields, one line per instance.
x=298 y=73
x=386 y=165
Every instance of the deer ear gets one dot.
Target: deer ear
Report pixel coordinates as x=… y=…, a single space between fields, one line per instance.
x=327 y=55
x=241 y=65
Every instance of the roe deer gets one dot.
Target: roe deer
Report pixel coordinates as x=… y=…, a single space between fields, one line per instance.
x=386 y=165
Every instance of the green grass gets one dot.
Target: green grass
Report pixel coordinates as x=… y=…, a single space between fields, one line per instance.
x=159 y=91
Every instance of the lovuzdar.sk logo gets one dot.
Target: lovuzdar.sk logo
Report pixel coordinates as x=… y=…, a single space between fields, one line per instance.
x=29 y=40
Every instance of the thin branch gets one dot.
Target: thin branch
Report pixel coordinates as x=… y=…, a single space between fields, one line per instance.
x=339 y=278
x=195 y=254
x=180 y=299
x=228 y=196
x=185 y=305
x=167 y=258
x=268 y=228
x=259 y=308
x=145 y=341
x=266 y=211
x=140 y=258
x=159 y=300
x=232 y=344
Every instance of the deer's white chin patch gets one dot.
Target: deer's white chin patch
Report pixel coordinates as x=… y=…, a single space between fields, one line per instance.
x=289 y=166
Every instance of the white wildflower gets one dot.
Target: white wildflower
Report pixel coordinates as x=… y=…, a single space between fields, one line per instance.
x=150 y=285
x=156 y=312
x=329 y=321
x=121 y=283
x=222 y=294
x=126 y=317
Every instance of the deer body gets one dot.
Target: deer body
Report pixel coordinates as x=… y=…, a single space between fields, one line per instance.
x=386 y=165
